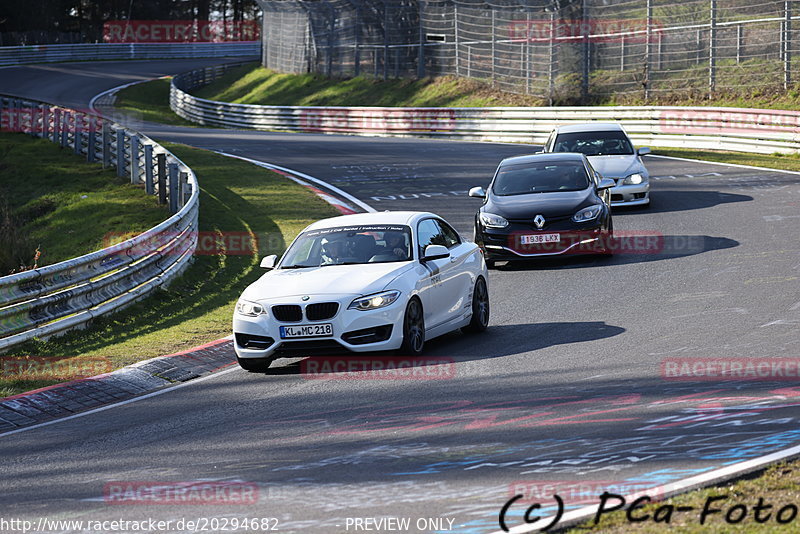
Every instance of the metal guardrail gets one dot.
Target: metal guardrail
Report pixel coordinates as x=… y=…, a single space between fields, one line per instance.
x=739 y=129
x=54 y=298
x=17 y=55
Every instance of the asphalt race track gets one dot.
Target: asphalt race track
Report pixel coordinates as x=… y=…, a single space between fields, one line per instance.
x=566 y=388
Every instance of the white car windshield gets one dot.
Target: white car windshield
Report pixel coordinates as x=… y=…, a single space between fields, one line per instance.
x=349 y=245
x=610 y=143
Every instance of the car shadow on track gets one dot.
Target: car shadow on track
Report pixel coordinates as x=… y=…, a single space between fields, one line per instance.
x=671 y=200
x=630 y=247
x=497 y=341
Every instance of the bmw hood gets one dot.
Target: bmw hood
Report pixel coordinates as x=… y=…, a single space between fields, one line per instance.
x=328 y=280
x=616 y=166
x=556 y=204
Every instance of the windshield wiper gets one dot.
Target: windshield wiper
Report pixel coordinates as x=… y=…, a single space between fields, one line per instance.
x=297 y=266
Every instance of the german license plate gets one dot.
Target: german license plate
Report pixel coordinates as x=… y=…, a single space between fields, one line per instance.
x=306 y=330
x=539 y=238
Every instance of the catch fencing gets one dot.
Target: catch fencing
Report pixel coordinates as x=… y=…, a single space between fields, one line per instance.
x=744 y=130
x=18 y=55
x=54 y=298
x=562 y=51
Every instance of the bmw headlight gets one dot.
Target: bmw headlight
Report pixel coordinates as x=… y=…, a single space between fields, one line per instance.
x=250 y=309
x=491 y=220
x=633 y=179
x=587 y=214
x=374 y=301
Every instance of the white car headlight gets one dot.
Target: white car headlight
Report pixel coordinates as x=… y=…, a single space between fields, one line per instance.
x=633 y=179
x=250 y=309
x=374 y=301
x=587 y=214
x=491 y=220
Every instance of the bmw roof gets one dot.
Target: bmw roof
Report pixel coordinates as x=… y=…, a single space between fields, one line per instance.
x=378 y=217
x=590 y=127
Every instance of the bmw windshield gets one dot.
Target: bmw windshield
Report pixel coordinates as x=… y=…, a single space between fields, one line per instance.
x=349 y=245
x=610 y=143
x=540 y=177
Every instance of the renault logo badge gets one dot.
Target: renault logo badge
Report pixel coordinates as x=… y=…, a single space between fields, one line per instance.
x=538 y=221
x=305 y=298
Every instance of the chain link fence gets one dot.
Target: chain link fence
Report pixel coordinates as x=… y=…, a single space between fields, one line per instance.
x=559 y=50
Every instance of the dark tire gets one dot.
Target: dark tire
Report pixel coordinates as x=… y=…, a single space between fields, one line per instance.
x=255 y=365
x=480 y=307
x=413 y=329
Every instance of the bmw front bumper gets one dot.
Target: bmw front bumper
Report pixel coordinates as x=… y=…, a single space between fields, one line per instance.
x=352 y=330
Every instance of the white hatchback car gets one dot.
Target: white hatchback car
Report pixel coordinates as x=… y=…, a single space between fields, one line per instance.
x=364 y=282
x=611 y=153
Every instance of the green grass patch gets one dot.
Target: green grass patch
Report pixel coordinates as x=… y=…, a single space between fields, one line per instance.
x=53 y=200
x=149 y=101
x=789 y=162
x=253 y=84
x=778 y=486
x=235 y=197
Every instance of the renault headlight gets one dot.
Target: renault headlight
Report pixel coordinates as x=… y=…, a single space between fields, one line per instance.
x=374 y=301
x=633 y=179
x=490 y=220
x=587 y=214
x=250 y=309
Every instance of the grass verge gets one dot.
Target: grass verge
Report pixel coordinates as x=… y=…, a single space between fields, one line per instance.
x=54 y=201
x=149 y=101
x=236 y=198
x=779 y=486
x=253 y=84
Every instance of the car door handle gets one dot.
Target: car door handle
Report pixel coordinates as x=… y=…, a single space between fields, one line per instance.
x=453 y=259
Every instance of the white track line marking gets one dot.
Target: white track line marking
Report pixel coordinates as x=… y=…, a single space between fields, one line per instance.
x=725 y=164
x=668 y=490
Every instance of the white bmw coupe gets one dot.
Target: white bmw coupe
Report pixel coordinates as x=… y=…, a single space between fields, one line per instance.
x=364 y=282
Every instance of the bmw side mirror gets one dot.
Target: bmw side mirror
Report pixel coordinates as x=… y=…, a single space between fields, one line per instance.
x=477 y=192
x=435 y=252
x=605 y=183
x=643 y=151
x=269 y=262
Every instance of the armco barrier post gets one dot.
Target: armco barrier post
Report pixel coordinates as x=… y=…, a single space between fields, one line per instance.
x=33 y=130
x=65 y=129
x=148 y=169
x=56 y=124
x=106 y=144
x=184 y=188
x=134 y=159
x=77 y=139
x=162 y=178
x=45 y=120
x=10 y=115
x=91 y=140
x=173 y=187
x=120 y=152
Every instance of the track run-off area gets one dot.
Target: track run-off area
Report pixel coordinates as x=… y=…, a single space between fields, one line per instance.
x=571 y=386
